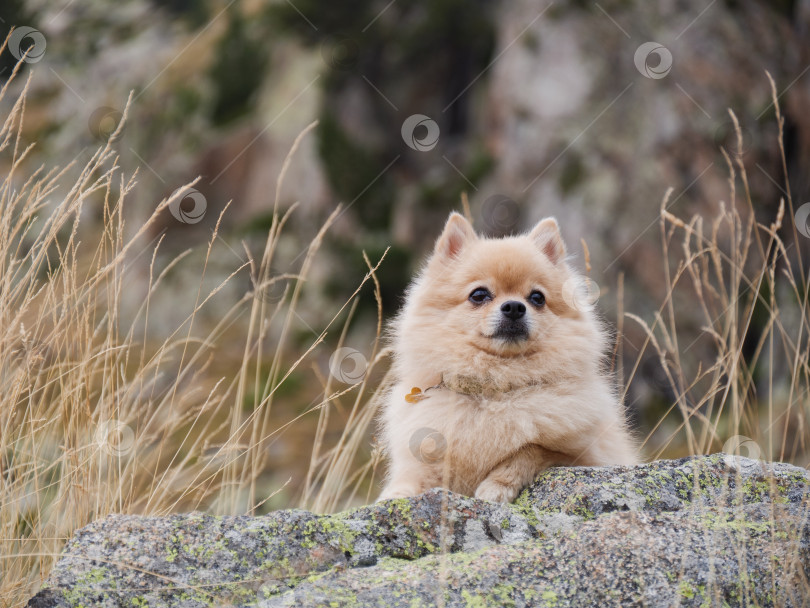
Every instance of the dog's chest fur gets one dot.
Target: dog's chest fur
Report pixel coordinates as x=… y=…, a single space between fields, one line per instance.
x=474 y=432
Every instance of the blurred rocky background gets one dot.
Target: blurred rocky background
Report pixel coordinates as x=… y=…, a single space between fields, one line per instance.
x=530 y=108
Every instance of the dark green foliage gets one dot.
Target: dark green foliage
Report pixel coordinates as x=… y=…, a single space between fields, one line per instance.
x=13 y=13
x=352 y=170
x=195 y=12
x=786 y=7
x=393 y=281
x=238 y=68
x=573 y=173
x=330 y=18
x=422 y=56
x=429 y=51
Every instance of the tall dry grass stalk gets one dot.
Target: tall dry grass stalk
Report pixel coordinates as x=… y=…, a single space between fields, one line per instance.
x=743 y=384
x=94 y=420
x=94 y=417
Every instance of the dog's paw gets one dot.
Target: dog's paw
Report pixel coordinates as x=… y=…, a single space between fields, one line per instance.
x=398 y=492
x=495 y=491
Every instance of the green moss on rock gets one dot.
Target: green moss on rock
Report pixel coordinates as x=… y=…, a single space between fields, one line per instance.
x=615 y=534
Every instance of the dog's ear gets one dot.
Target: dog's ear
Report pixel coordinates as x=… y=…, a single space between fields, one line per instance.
x=546 y=235
x=456 y=234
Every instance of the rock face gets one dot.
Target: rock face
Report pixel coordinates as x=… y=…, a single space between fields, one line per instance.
x=703 y=531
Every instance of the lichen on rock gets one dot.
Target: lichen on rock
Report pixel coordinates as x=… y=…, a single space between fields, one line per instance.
x=701 y=531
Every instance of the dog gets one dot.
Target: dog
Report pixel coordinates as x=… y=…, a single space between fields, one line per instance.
x=499 y=370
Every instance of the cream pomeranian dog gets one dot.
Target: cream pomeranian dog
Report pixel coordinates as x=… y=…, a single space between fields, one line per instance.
x=499 y=371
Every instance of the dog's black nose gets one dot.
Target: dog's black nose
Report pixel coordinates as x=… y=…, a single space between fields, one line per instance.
x=513 y=310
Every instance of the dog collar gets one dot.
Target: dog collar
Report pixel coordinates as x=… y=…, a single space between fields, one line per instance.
x=468 y=386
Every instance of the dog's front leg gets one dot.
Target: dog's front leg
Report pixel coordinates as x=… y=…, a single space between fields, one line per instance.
x=408 y=477
x=511 y=475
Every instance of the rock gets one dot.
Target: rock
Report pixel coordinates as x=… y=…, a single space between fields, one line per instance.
x=701 y=531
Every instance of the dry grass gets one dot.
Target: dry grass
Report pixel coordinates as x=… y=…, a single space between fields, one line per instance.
x=101 y=414
x=94 y=420
x=747 y=390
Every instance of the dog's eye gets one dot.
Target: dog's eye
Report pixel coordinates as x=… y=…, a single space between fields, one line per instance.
x=480 y=295
x=537 y=298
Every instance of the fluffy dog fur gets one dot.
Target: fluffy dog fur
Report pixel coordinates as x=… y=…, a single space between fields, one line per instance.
x=497 y=406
